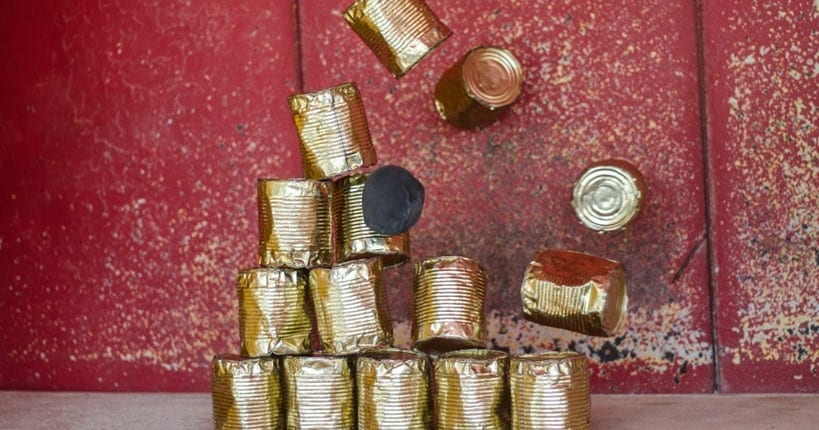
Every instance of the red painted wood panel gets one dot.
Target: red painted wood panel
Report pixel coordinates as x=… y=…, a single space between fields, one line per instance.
x=603 y=79
x=762 y=63
x=132 y=134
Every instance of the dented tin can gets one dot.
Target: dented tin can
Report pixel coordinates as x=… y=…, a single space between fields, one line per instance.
x=295 y=223
x=333 y=133
x=352 y=313
x=449 y=294
x=609 y=195
x=393 y=390
x=550 y=391
x=320 y=393
x=575 y=291
x=479 y=87
x=246 y=393
x=354 y=239
x=274 y=317
x=399 y=32
x=471 y=390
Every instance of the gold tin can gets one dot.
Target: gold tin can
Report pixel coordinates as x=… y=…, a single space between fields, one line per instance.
x=449 y=301
x=354 y=240
x=471 y=390
x=274 y=317
x=550 y=391
x=320 y=393
x=393 y=390
x=295 y=223
x=399 y=32
x=352 y=313
x=609 y=195
x=333 y=133
x=479 y=87
x=575 y=291
x=246 y=393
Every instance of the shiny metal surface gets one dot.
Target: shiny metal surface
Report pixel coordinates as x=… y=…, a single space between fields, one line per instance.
x=609 y=195
x=471 y=390
x=320 y=393
x=246 y=393
x=393 y=390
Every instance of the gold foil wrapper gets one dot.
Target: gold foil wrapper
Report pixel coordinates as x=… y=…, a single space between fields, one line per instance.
x=352 y=313
x=472 y=390
x=246 y=393
x=354 y=240
x=295 y=223
x=333 y=132
x=449 y=300
x=609 y=195
x=399 y=32
x=550 y=391
x=479 y=87
x=393 y=390
x=575 y=291
x=320 y=393
x=274 y=317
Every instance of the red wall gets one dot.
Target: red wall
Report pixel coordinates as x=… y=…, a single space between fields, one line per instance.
x=132 y=134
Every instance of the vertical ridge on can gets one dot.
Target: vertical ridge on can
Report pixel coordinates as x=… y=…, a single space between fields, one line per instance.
x=246 y=393
x=550 y=391
x=352 y=313
x=471 y=390
x=575 y=291
x=393 y=390
x=274 y=317
x=334 y=137
x=449 y=301
x=320 y=393
x=399 y=32
x=354 y=239
x=295 y=223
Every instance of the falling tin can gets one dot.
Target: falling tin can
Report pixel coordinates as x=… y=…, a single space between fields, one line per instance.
x=471 y=390
x=575 y=291
x=352 y=313
x=274 y=317
x=320 y=393
x=295 y=223
x=354 y=239
x=609 y=195
x=333 y=133
x=449 y=300
x=393 y=390
x=550 y=391
x=479 y=87
x=399 y=32
x=246 y=393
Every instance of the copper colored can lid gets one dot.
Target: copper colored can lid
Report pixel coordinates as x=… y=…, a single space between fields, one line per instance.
x=608 y=195
x=493 y=76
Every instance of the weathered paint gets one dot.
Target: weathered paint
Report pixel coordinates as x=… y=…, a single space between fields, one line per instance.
x=762 y=74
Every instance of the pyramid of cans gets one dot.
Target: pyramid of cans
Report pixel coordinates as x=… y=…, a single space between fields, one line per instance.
x=319 y=283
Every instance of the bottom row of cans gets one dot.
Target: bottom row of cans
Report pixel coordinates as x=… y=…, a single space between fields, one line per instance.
x=402 y=389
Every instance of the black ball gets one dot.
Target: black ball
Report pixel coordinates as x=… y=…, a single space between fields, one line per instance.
x=392 y=200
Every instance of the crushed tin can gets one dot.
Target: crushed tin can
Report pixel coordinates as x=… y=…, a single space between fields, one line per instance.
x=393 y=390
x=320 y=393
x=399 y=32
x=334 y=137
x=246 y=392
x=471 y=390
x=450 y=292
x=609 y=195
x=550 y=391
x=354 y=239
x=274 y=317
x=479 y=87
x=352 y=313
x=575 y=291
x=295 y=223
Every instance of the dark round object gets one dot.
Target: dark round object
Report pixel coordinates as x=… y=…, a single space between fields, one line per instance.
x=392 y=200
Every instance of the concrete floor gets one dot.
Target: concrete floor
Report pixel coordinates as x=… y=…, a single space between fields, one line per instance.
x=90 y=411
